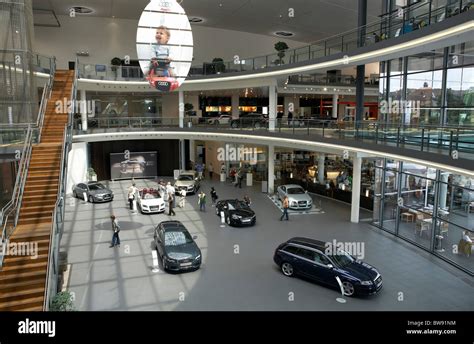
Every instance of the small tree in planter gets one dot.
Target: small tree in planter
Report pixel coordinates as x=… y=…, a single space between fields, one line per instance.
x=62 y=302
x=281 y=47
x=92 y=176
x=116 y=62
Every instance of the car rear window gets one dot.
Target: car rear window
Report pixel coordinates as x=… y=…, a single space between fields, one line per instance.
x=291 y=249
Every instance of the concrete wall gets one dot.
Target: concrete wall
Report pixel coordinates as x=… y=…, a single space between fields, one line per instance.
x=78 y=162
x=106 y=38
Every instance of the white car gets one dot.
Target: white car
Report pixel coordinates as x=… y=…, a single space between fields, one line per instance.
x=298 y=198
x=187 y=180
x=150 y=201
x=222 y=119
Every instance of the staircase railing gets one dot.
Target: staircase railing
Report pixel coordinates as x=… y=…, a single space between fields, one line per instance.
x=44 y=98
x=52 y=273
x=11 y=211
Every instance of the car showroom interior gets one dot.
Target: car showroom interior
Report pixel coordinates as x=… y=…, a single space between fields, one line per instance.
x=237 y=155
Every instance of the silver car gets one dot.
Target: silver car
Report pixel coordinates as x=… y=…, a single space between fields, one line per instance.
x=298 y=198
x=94 y=192
x=187 y=180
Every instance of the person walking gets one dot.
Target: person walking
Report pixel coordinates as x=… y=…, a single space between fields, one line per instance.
x=238 y=179
x=211 y=170
x=286 y=205
x=202 y=201
x=116 y=230
x=171 y=204
x=247 y=200
x=182 y=200
x=214 y=196
x=132 y=190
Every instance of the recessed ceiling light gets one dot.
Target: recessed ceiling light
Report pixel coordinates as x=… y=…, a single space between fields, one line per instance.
x=325 y=89
x=284 y=34
x=81 y=10
x=195 y=20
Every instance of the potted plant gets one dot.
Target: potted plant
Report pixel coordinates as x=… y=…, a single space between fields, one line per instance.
x=62 y=302
x=92 y=176
x=281 y=47
x=219 y=66
x=116 y=62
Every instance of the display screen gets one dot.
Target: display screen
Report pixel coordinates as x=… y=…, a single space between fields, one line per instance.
x=164 y=44
x=133 y=165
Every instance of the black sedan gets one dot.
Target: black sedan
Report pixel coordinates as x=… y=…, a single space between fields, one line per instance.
x=94 y=192
x=324 y=263
x=176 y=247
x=236 y=213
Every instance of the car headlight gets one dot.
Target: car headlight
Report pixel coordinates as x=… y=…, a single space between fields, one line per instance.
x=170 y=260
x=198 y=257
x=190 y=187
x=294 y=203
x=144 y=206
x=236 y=217
x=366 y=282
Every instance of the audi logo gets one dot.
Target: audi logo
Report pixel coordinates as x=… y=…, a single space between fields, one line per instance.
x=164 y=4
x=163 y=83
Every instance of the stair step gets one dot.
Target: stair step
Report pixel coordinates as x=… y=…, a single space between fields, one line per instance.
x=22 y=294
x=36 y=219
x=31 y=209
x=24 y=276
x=42 y=187
x=19 y=304
x=12 y=260
x=31 y=283
x=46 y=191
x=45 y=197
x=31 y=265
x=29 y=228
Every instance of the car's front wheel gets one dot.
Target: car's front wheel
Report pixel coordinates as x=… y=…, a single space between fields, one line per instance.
x=348 y=288
x=234 y=125
x=228 y=220
x=287 y=269
x=91 y=199
x=74 y=194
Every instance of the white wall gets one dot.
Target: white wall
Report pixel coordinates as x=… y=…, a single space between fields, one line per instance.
x=77 y=165
x=105 y=38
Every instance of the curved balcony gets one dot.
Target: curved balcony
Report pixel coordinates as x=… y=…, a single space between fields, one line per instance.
x=446 y=148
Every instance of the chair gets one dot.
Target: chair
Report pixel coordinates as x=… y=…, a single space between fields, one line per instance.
x=420 y=224
x=443 y=228
x=465 y=247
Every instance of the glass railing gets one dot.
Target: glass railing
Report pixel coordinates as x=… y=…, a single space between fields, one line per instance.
x=413 y=18
x=328 y=80
x=457 y=142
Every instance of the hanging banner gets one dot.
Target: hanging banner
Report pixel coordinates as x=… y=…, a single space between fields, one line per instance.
x=164 y=44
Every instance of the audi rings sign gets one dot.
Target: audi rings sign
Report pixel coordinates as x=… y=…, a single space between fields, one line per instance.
x=164 y=44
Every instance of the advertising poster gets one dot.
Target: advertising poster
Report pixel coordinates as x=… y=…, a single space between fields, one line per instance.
x=164 y=44
x=133 y=165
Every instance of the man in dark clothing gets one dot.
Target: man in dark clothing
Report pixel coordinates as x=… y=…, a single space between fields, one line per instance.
x=286 y=205
x=213 y=195
x=171 y=204
x=290 y=117
x=116 y=229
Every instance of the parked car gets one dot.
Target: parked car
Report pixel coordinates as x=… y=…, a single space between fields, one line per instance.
x=222 y=119
x=187 y=180
x=150 y=201
x=250 y=120
x=176 y=247
x=321 y=262
x=236 y=213
x=95 y=192
x=298 y=198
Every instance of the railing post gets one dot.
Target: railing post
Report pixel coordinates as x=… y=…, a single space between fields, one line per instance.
x=376 y=132
x=457 y=139
x=398 y=137
x=450 y=143
x=422 y=139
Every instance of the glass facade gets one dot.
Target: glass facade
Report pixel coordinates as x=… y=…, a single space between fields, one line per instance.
x=430 y=208
x=432 y=88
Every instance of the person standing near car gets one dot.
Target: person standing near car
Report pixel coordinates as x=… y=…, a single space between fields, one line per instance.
x=132 y=190
x=290 y=117
x=171 y=204
x=214 y=196
x=202 y=201
x=286 y=205
x=182 y=200
x=211 y=170
x=116 y=230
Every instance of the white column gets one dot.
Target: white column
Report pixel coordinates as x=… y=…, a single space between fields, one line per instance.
x=321 y=159
x=335 y=97
x=271 y=169
x=355 y=205
x=272 y=111
x=182 y=154
x=192 y=150
x=235 y=105
x=181 y=109
x=443 y=190
x=84 y=110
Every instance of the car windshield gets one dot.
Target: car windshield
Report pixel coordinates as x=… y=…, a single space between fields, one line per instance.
x=177 y=238
x=237 y=205
x=149 y=194
x=186 y=177
x=96 y=187
x=341 y=258
x=295 y=191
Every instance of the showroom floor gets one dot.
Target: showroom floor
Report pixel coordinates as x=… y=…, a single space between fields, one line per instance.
x=238 y=272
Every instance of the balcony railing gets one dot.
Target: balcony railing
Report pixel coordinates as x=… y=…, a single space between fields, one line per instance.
x=416 y=17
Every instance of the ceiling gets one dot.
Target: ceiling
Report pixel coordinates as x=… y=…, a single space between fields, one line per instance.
x=313 y=19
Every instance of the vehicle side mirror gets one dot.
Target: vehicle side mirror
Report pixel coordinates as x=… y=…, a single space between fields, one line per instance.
x=330 y=266
x=195 y=237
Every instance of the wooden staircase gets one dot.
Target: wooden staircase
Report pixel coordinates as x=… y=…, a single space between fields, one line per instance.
x=22 y=278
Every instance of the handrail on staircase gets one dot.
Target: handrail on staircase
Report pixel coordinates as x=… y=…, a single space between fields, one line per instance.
x=11 y=210
x=52 y=271
x=44 y=98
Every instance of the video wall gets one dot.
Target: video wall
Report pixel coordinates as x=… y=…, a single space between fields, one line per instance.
x=133 y=165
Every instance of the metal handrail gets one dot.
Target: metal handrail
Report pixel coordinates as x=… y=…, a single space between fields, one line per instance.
x=13 y=206
x=44 y=99
x=57 y=223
